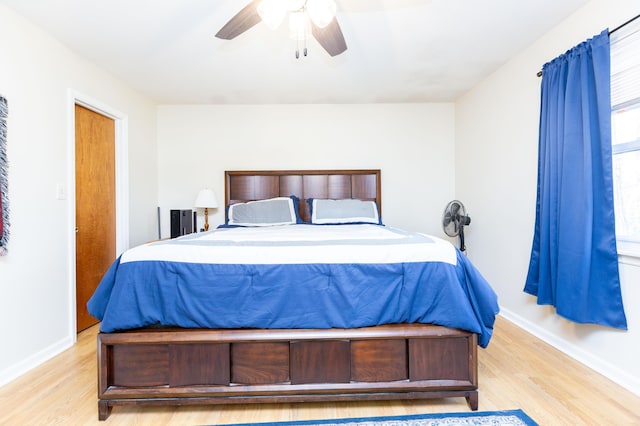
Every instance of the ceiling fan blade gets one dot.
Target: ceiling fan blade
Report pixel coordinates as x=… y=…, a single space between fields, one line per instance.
x=330 y=37
x=241 y=22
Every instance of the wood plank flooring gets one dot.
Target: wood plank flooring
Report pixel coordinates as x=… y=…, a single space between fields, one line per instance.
x=517 y=370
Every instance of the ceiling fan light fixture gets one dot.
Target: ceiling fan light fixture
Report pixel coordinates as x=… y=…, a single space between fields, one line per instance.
x=272 y=12
x=307 y=19
x=321 y=12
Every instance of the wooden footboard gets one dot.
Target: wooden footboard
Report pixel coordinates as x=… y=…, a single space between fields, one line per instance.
x=197 y=367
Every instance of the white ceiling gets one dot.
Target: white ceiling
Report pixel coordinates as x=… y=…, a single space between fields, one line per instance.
x=398 y=50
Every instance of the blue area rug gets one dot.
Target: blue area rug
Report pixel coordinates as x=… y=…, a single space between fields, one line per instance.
x=485 y=418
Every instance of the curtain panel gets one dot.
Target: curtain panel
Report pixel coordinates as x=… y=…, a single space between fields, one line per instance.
x=574 y=261
x=4 y=196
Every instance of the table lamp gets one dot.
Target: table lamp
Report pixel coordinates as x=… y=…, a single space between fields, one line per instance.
x=206 y=200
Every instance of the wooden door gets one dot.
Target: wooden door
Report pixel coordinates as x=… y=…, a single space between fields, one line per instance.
x=95 y=205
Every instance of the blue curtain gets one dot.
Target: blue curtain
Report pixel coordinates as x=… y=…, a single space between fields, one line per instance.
x=574 y=261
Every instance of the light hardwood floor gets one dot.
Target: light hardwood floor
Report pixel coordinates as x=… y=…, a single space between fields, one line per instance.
x=517 y=370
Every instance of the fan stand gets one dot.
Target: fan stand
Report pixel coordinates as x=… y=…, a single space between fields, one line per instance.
x=461 y=235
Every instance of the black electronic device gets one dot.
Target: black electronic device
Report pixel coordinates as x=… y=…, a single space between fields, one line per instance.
x=181 y=223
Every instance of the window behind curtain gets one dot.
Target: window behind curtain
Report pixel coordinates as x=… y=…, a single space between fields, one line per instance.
x=625 y=123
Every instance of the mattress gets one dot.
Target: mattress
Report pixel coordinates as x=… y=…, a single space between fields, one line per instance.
x=295 y=276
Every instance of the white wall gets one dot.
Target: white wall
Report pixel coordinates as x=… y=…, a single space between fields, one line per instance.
x=411 y=143
x=36 y=76
x=496 y=172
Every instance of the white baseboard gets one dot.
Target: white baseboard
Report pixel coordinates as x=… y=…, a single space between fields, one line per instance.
x=597 y=364
x=13 y=372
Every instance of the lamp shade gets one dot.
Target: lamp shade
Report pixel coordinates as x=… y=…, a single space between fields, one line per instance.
x=272 y=12
x=206 y=199
x=321 y=12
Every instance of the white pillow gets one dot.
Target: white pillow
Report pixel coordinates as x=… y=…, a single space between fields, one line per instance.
x=343 y=211
x=270 y=212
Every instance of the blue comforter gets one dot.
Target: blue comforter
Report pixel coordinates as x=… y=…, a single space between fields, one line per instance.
x=296 y=276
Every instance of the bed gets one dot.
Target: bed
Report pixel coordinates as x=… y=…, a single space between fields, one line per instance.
x=291 y=311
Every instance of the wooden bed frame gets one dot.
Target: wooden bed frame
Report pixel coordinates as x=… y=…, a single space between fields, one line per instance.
x=241 y=366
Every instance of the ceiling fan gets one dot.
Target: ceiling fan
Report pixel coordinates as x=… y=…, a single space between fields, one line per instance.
x=316 y=15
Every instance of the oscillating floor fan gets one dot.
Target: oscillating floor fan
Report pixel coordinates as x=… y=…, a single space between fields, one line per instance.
x=454 y=219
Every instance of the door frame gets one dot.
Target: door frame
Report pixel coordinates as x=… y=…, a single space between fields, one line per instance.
x=122 y=186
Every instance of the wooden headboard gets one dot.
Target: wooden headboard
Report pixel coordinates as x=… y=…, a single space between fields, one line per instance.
x=251 y=185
